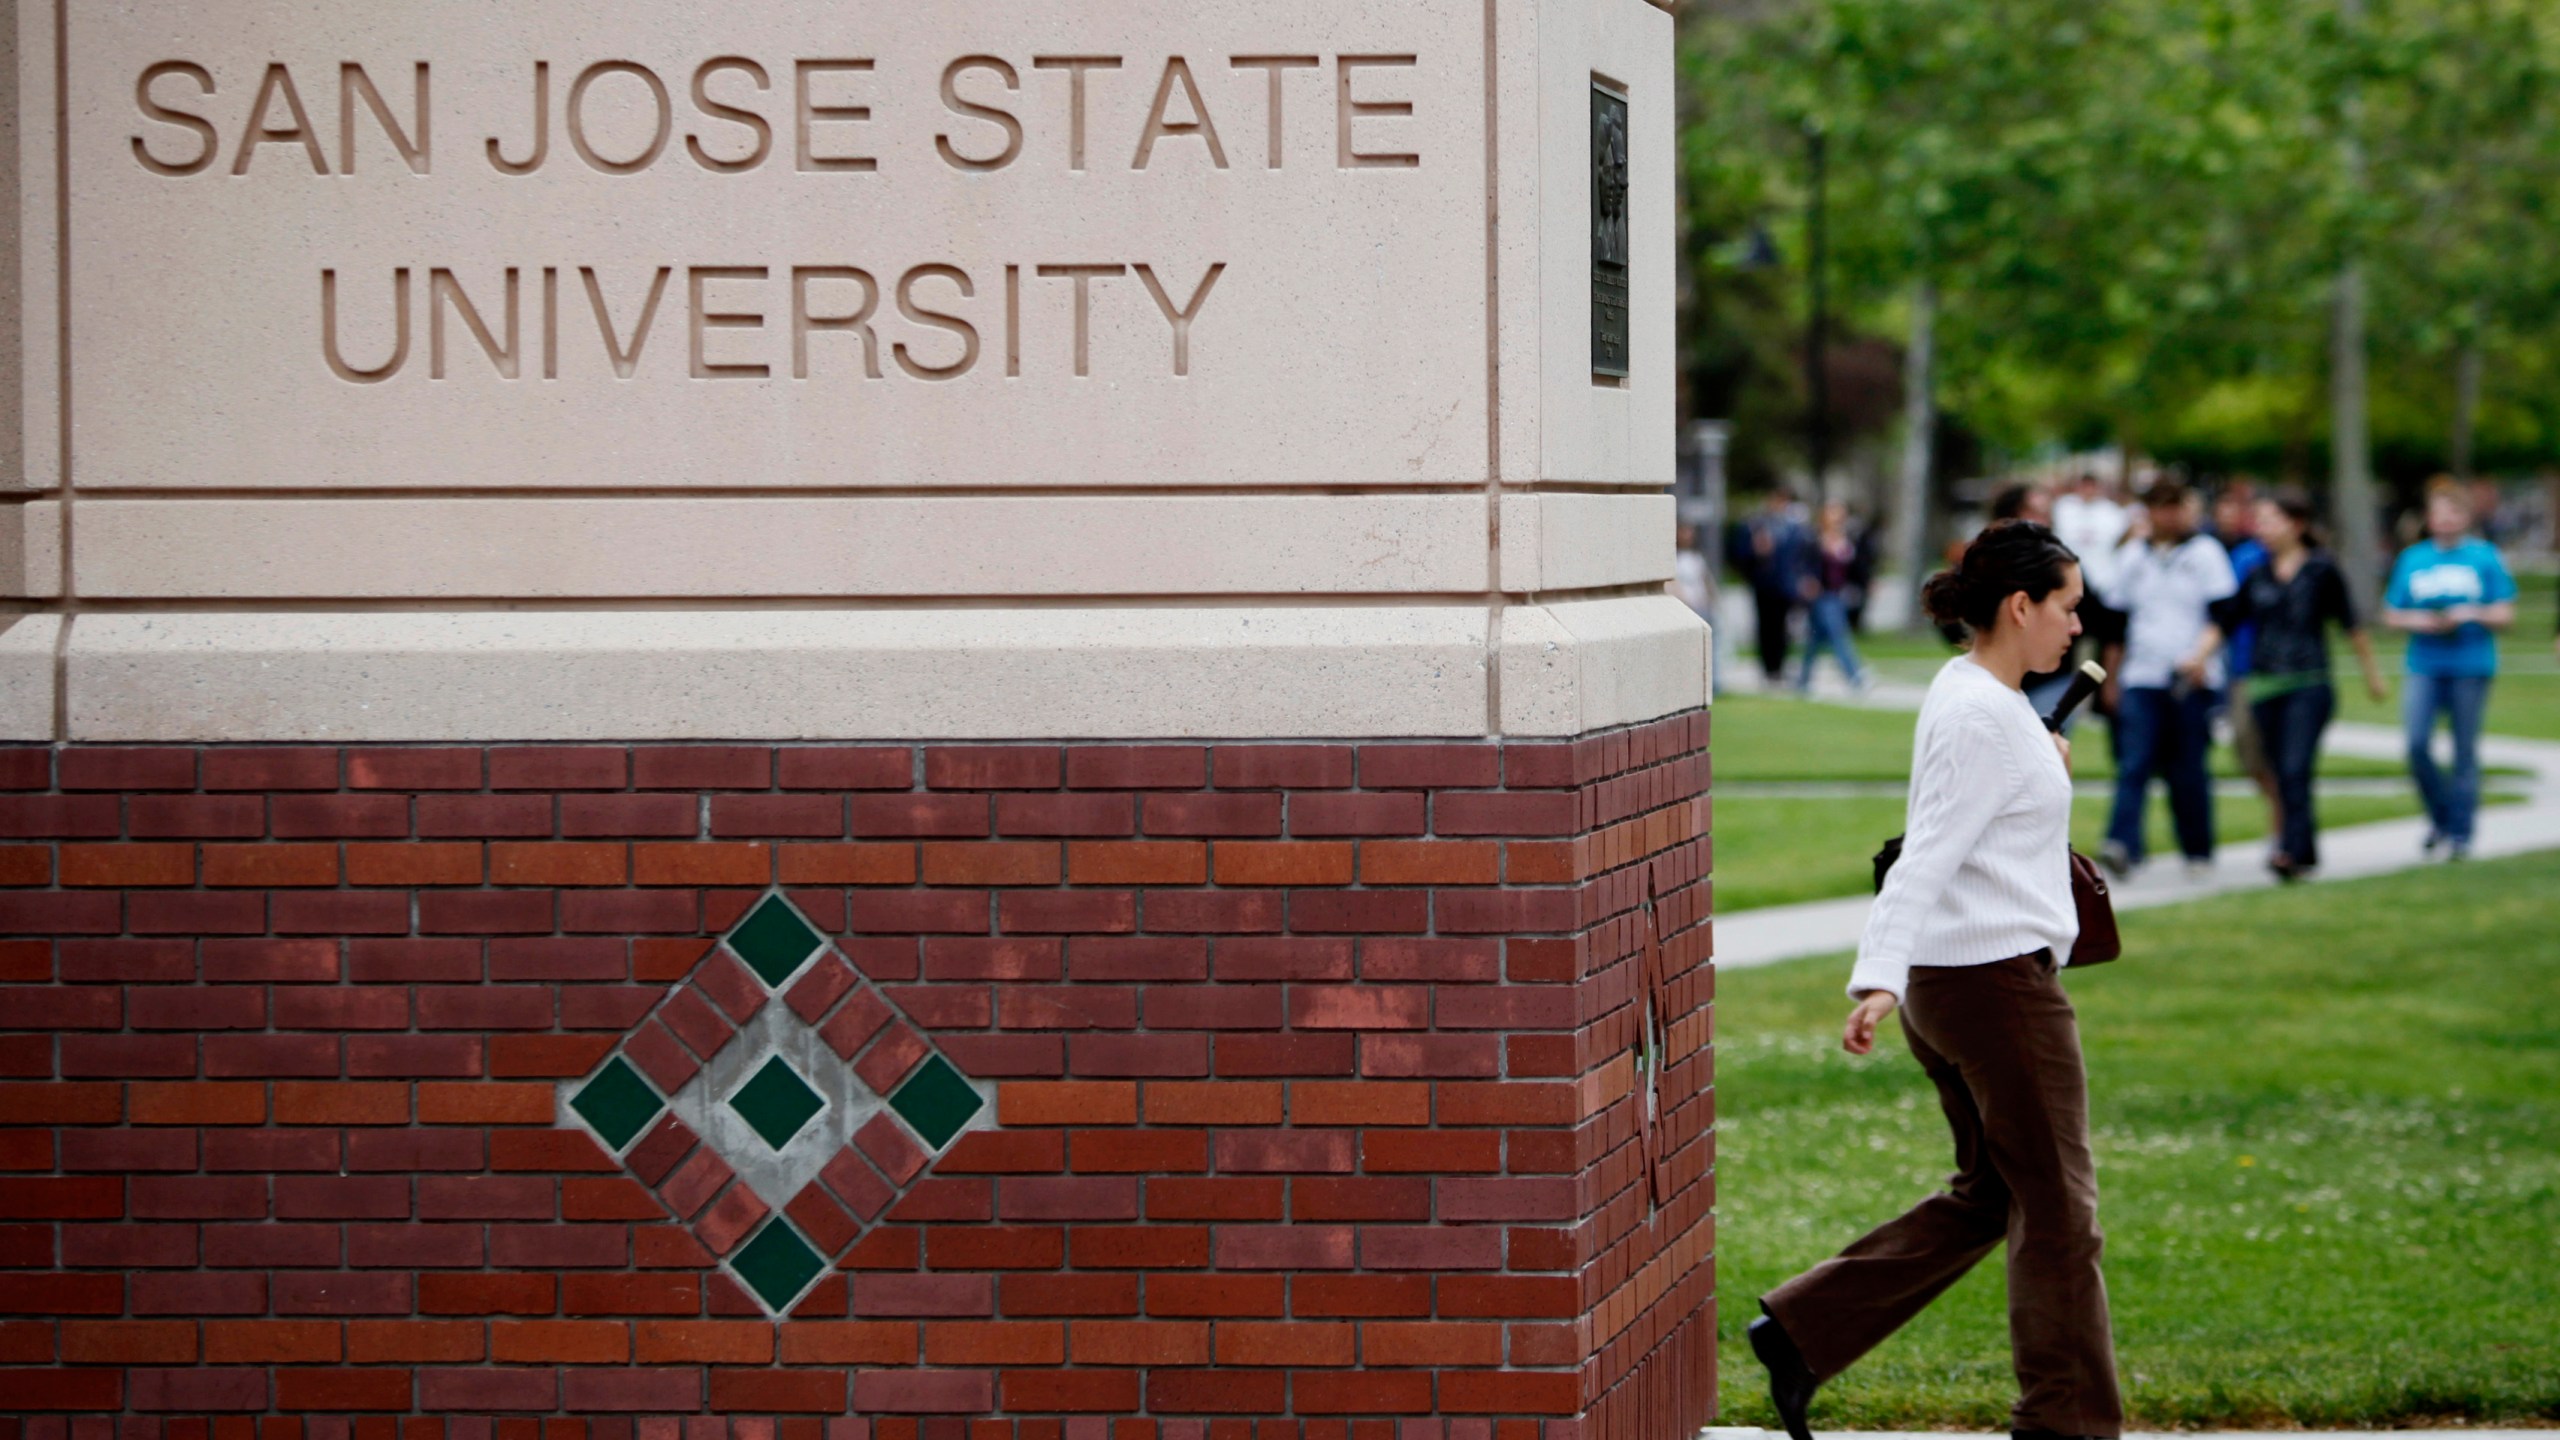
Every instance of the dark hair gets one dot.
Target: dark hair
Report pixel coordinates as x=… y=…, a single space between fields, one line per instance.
x=2166 y=492
x=2007 y=557
x=2297 y=507
x=2011 y=502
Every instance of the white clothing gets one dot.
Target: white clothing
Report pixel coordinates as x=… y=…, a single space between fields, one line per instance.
x=1689 y=582
x=2163 y=593
x=2092 y=527
x=1985 y=872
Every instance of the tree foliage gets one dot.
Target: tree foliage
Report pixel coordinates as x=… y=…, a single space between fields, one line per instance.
x=2133 y=212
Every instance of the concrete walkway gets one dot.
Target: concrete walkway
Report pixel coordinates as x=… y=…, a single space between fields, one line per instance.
x=1731 y=1432
x=1823 y=927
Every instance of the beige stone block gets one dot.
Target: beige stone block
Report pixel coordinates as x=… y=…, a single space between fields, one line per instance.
x=1557 y=421
x=1591 y=664
x=1342 y=342
x=907 y=674
x=30 y=266
x=783 y=546
x=1595 y=430
x=1578 y=541
x=26 y=675
x=31 y=549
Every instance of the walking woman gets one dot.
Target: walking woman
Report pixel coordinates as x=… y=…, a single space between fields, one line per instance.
x=2294 y=598
x=1964 y=939
x=1825 y=588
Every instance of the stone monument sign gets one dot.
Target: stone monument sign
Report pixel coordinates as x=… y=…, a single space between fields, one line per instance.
x=787 y=720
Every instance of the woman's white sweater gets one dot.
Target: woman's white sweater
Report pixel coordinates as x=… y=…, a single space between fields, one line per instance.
x=1985 y=871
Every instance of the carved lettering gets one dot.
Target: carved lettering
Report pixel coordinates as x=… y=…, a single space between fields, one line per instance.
x=1012 y=321
x=278 y=82
x=735 y=115
x=1075 y=66
x=209 y=138
x=1347 y=154
x=1273 y=67
x=1180 y=319
x=939 y=320
x=1003 y=118
x=353 y=84
x=807 y=115
x=834 y=298
x=577 y=123
x=805 y=321
x=329 y=346
x=626 y=357
x=1176 y=71
x=443 y=291
x=697 y=279
x=541 y=128
x=550 y=322
x=1083 y=276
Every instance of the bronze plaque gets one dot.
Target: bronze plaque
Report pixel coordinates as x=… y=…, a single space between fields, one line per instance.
x=1608 y=232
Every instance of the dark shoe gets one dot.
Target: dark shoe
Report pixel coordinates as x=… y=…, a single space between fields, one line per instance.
x=1791 y=1382
x=2118 y=860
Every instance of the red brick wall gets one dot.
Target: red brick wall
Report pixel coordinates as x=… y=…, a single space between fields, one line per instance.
x=1322 y=1109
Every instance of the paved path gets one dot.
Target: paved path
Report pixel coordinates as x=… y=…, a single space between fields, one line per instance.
x=1823 y=927
x=1731 y=1432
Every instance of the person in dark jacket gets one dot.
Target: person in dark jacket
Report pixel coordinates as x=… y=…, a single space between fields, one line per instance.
x=1775 y=546
x=2292 y=598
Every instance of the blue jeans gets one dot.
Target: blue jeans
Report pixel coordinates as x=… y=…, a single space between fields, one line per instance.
x=1826 y=627
x=2289 y=726
x=2453 y=801
x=2165 y=733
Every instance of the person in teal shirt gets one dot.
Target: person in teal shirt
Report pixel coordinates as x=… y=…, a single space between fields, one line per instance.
x=2451 y=592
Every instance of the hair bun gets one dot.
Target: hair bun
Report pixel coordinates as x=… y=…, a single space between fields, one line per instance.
x=2009 y=556
x=1947 y=597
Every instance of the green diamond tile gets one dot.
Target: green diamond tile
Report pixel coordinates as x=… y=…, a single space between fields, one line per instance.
x=773 y=940
x=776 y=1102
x=777 y=1264
x=618 y=1103
x=936 y=1101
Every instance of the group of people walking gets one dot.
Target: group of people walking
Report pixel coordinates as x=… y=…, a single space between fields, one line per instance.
x=2235 y=619
x=2229 y=622
x=1974 y=924
x=1813 y=564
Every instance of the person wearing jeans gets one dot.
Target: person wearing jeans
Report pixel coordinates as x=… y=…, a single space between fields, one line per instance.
x=2451 y=592
x=2165 y=730
x=2292 y=599
x=2171 y=675
x=1825 y=588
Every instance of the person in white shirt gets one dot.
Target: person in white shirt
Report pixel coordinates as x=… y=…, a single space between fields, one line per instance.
x=2088 y=520
x=1963 y=940
x=2168 y=678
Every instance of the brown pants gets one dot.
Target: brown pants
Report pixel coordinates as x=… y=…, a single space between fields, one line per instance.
x=2003 y=1048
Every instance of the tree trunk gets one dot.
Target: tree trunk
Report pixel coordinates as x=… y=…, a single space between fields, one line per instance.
x=2350 y=433
x=2350 y=441
x=2466 y=404
x=1919 y=442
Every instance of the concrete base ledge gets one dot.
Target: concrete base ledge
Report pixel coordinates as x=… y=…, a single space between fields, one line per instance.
x=910 y=674
x=26 y=675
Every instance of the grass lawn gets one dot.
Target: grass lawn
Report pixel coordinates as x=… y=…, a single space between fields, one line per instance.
x=1777 y=850
x=2328 y=1132
x=2524 y=700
